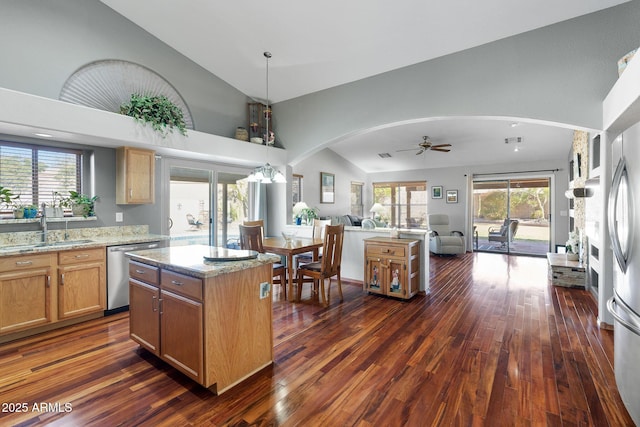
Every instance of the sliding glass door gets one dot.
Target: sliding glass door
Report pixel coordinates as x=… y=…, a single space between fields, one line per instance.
x=206 y=203
x=512 y=216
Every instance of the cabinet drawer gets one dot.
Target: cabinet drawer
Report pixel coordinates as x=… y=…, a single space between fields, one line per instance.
x=24 y=262
x=396 y=251
x=81 y=256
x=145 y=273
x=181 y=284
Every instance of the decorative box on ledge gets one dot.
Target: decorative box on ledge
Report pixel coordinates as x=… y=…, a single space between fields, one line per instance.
x=565 y=273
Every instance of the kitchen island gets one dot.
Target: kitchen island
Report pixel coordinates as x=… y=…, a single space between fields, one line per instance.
x=211 y=320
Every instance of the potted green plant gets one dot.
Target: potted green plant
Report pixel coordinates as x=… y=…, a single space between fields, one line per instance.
x=162 y=114
x=7 y=197
x=308 y=215
x=54 y=209
x=80 y=204
x=18 y=208
x=30 y=211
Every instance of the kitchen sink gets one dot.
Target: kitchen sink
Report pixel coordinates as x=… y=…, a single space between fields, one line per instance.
x=29 y=246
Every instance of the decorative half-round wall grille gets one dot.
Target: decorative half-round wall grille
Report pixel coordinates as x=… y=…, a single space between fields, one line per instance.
x=107 y=84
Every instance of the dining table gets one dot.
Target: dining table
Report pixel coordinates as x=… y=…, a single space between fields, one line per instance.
x=290 y=248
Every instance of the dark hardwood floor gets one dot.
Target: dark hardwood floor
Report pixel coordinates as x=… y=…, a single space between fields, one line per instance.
x=493 y=344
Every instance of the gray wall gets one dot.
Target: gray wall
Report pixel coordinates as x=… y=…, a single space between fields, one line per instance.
x=344 y=171
x=560 y=73
x=45 y=42
x=100 y=181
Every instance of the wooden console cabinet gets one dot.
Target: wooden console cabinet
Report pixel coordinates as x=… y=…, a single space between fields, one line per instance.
x=392 y=266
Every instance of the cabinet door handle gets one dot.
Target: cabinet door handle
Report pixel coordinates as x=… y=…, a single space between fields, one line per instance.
x=385 y=251
x=81 y=256
x=131 y=193
x=160 y=304
x=62 y=279
x=141 y=272
x=21 y=263
x=154 y=303
x=175 y=282
x=48 y=281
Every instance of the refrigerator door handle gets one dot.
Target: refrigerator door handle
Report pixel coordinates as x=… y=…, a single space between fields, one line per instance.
x=612 y=306
x=620 y=242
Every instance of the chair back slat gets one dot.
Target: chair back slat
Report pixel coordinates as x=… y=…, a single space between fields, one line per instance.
x=251 y=238
x=332 y=249
x=319 y=226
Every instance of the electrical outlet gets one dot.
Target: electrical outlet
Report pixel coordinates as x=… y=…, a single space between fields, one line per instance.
x=265 y=287
x=119 y=217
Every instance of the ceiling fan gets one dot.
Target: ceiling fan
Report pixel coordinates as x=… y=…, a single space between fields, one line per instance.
x=426 y=144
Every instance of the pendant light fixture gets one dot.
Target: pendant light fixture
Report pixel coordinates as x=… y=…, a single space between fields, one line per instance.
x=267 y=174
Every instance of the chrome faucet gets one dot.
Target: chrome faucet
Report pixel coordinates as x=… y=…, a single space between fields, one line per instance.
x=43 y=223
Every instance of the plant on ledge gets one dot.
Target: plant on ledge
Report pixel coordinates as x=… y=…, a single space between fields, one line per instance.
x=80 y=204
x=6 y=196
x=162 y=114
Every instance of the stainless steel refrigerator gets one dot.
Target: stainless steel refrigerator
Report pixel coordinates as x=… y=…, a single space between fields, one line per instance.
x=624 y=229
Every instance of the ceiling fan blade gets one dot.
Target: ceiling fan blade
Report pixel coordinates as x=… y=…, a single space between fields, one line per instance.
x=420 y=152
x=406 y=149
x=444 y=150
x=441 y=145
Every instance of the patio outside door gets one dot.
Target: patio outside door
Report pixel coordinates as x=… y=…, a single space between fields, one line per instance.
x=512 y=216
x=206 y=205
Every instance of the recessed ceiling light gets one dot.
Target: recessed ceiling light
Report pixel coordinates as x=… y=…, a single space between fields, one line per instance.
x=384 y=155
x=43 y=135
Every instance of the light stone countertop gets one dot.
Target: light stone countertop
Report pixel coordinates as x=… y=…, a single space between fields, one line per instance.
x=190 y=260
x=23 y=243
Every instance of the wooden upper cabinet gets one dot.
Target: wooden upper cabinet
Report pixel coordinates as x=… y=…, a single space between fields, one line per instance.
x=135 y=176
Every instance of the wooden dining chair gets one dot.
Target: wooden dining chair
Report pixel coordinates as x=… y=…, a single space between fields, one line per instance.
x=317 y=233
x=327 y=267
x=251 y=239
x=259 y=222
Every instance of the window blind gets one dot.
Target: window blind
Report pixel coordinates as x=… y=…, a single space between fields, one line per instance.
x=39 y=174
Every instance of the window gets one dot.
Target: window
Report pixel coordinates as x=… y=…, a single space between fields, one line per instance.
x=296 y=188
x=356 y=198
x=405 y=203
x=36 y=172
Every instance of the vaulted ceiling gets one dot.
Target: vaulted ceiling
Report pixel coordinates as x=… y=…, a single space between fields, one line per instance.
x=318 y=45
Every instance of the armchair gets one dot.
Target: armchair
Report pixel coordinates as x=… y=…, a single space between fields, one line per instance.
x=442 y=241
x=505 y=233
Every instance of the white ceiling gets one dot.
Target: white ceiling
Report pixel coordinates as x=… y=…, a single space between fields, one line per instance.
x=317 y=45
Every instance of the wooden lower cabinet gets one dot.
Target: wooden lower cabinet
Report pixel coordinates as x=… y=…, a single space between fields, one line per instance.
x=217 y=330
x=144 y=321
x=43 y=291
x=392 y=266
x=25 y=292
x=182 y=336
x=82 y=285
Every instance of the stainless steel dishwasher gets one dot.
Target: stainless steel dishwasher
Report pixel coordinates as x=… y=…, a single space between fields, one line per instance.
x=118 y=274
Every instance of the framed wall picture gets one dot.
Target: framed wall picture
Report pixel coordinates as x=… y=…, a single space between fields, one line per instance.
x=436 y=192
x=452 y=196
x=327 y=187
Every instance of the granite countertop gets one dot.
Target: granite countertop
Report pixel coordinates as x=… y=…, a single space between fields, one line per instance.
x=382 y=230
x=30 y=242
x=190 y=260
